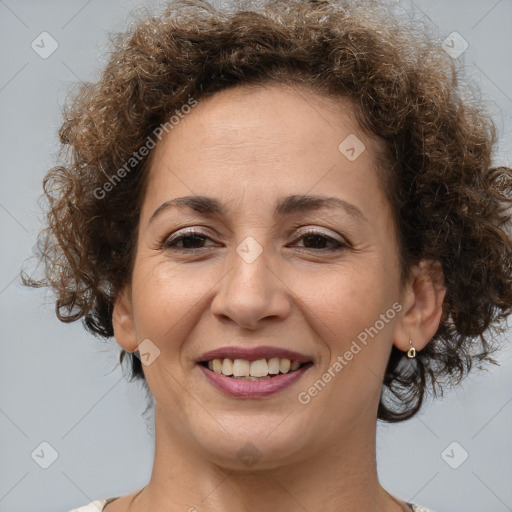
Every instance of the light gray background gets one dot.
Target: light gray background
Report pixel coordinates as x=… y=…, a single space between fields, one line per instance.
x=62 y=386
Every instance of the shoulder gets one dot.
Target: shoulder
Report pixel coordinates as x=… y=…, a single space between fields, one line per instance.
x=419 y=508
x=98 y=506
x=95 y=506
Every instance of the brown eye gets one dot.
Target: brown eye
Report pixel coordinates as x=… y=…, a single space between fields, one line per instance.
x=189 y=241
x=316 y=240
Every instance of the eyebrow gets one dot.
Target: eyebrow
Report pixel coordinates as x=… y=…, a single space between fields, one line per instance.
x=283 y=207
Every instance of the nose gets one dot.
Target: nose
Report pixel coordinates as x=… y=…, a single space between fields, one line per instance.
x=251 y=293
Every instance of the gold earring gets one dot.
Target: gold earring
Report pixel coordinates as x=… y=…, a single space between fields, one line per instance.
x=411 y=353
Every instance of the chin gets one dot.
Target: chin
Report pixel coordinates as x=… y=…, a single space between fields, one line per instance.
x=253 y=448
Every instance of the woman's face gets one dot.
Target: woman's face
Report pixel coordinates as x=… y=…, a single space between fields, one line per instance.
x=265 y=269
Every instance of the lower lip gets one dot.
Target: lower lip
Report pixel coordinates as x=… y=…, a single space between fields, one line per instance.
x=254 y=388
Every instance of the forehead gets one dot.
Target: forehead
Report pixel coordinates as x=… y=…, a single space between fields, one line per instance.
x=245 y=117
x=253 y=140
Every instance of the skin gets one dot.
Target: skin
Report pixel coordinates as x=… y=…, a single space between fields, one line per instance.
x=248 y=147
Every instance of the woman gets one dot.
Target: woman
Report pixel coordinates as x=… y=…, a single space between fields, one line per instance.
x=289 y=220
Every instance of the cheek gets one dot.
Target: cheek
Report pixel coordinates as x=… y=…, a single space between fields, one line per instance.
x=345 y=311
x=351 y=295
x=352 y=311
x=166 y=300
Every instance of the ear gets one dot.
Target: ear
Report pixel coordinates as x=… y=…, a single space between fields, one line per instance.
x=122 y=320
x=422 y=300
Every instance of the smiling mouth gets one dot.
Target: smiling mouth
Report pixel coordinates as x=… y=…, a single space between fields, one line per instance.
x=261 y=369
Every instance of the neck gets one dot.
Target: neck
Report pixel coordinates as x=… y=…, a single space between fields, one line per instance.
x=341 y=478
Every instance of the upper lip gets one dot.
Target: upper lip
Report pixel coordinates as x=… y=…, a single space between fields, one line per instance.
x=253 y=354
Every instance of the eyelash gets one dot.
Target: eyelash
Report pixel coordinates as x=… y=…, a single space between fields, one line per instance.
x=170 y=243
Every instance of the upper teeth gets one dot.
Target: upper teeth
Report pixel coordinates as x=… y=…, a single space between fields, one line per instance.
x=259 y=368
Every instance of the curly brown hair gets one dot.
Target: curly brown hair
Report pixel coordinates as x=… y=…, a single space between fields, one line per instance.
x=450 y=205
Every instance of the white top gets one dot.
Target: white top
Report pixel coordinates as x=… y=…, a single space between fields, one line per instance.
x=98 y=505
x=95 y=506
